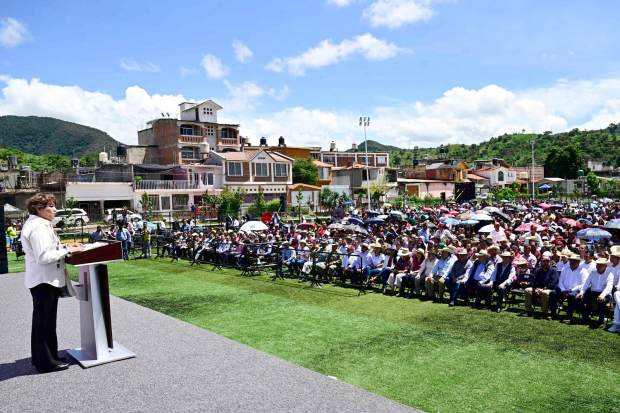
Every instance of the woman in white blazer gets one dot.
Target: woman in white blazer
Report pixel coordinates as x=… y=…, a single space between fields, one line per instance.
x=45 y=276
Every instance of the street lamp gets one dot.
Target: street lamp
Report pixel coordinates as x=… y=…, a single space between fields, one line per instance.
x=365 y=122
x=533 y=141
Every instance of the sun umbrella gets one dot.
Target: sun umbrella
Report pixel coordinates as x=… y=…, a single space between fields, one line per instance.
x=571 y=222
x=544 y=206
x=253 y=226
x=469 y=222
x=443 y=209
x=503 y=217
x=356 y=221
x=556 y=206
x=450 y=221
x=375 y=221
x=427 y=209
x=492 y=209
x=613 y=224
x=306 y=226
x=527 y=227
x=537 y=209
x=336 y=225
x=482 y=211
x=585 y=221
x=383 y=217
x=593 y=204
x=486 y=228
x=338 y=213
x=387 y=205
x=356 y=228
x=370 y=212
x=396 y=213
x=521 y=208
x=482 y=217
x=266 y=217
x=431 y=225
x=465 y=216
x=593 y=234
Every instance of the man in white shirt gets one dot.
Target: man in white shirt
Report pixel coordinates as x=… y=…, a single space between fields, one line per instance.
x=374 y=262
x=588 y=263
x=532 y=234
x=351 y=265
x=571 y=280
x=563 y=263
x=498 y=233
x=600 y=283
x=615 y=257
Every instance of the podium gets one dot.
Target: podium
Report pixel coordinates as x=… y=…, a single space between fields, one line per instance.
x=93 y=292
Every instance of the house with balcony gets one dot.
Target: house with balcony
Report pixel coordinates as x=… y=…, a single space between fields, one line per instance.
x=325 y=173
x=254 y=171
x=340 y=159
x=187 y=139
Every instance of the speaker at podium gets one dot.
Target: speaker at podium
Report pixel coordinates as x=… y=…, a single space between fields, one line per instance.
x=98 y=346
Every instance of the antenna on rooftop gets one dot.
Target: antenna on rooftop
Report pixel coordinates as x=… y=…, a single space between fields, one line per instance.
x=168 y=113
x=162 y=115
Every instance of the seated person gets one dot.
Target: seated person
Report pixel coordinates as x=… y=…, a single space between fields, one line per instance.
x=544 y=280
x=401 y=269
x=479 y=274
x=571 y=280
x=287 y=257
x=458 y=270
x=501 y=279
x=439 y=273
x=597 y=287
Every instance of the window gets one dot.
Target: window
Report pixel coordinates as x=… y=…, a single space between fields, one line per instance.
x=281 y=170
x=187 y=130
x=234 y=169
x=165 y=203
x=381 y=159
x=500 y=176
x=207 y=111
x=315 y=155
x=188 y=152
x=210 y=131
x=207 y=179
x=324 y=173
x=365 y=159
x=154 y=202
x=328 y=159
x=262 y=169
x=224 y=133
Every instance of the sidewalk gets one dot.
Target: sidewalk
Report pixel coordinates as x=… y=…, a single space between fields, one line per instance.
x=178 y=368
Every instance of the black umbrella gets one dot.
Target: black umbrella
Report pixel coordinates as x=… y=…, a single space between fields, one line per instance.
x=502 y=216
x=338 y=213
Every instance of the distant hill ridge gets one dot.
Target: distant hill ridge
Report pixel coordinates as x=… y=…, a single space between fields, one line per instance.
x=49 y=136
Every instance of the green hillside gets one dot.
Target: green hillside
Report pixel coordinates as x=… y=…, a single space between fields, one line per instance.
x=516 y=149
x=48 y=136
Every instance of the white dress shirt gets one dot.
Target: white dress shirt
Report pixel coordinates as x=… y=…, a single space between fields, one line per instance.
x=601 y=283
x=376 y=259
x=572 y=280
x=560 y=266
x=616 y=272
x=497 y=235
x=365 y=258
x=351 y=261
x=426 y=267
x=45 y=256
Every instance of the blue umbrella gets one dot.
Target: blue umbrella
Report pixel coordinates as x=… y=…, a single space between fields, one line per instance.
x=593 y=234
x=375 y=221
x=469 y=222
x=585 y=221
x=481 y=217
x=537 y=209
x=593 y=205
x=396 y=213
x=613 y=224
x=369 y=212
x=356 y=221
x=450 y=221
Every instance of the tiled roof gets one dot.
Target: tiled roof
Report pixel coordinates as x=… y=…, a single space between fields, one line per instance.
x=319 y=163
x=474 y=176
x=239 y=156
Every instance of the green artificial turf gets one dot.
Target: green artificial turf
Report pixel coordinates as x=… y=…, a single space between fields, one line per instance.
x=421 y=354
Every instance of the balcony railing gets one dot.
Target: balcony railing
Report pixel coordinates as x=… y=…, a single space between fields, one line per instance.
x=192 y=139
x=229 y=142
x=166 y=185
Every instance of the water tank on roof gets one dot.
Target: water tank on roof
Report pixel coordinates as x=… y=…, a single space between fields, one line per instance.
x=75 y=162
x=281 y=141
x=354 y=147
x=121 y=150
x=12 y=160
x=103 y=157
x=580 y=173
x=495 y=161
x=263 y=141
x=205 y=148
x=332 y=147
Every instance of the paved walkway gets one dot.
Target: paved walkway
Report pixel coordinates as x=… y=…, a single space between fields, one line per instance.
x=179 y=367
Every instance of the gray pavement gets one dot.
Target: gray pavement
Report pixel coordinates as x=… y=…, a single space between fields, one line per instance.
x=179 y=367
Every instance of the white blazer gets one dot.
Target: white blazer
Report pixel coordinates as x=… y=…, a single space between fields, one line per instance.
x=45 y=255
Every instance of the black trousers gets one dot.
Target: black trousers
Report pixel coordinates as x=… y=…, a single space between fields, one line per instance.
x=44 y=344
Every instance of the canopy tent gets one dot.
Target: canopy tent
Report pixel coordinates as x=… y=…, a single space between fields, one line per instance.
x=10 y=208
x=544 y=186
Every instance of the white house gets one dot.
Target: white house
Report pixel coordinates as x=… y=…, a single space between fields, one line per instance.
x=497 y=175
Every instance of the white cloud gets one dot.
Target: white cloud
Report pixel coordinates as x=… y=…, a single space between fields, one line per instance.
x=242 y=52
x=610 y=113
x=328 y=53
x=214 y=67
x=243 y=97
x=119 y=117
x=396 y=13
x=279 y=94
x=185 y=71
x=341 y=3
x=13 y=33
x=130 y=64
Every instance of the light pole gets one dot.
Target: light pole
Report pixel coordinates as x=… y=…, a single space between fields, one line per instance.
x=365 y=122
x=533 y=141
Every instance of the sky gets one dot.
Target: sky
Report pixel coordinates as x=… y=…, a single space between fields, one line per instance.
x=426 y=72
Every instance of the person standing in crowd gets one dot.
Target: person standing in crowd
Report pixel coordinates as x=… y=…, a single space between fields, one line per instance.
x=11 y=232
x=146 y=240
x=123 y=235
x=45 y=276
x=99 y=235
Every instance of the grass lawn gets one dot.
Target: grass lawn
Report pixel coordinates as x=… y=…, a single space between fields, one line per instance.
x=16 y=265
x=421 y=354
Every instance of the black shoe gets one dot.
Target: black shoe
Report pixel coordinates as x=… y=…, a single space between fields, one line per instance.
x=452 y=304
x=62 y=359
x=60 y=367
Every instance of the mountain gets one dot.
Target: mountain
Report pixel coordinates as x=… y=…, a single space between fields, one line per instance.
x=374 y=146
x=48 y=136
x=516 y=148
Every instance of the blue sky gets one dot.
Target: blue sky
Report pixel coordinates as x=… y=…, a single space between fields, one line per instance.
x=425 y=71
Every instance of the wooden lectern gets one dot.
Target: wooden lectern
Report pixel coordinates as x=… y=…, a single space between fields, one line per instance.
x=94 y=295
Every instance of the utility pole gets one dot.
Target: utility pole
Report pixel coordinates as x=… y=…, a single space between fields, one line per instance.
x=365 y=122
x=533 y=141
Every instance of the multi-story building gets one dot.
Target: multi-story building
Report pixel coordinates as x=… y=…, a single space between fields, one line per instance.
x=340 y=159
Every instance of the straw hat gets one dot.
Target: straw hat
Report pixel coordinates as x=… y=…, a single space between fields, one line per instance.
x=481 y=253
x=404 y=252
x=521 y=261
x=493 y=247
x=602 y=261
x=506 y=254
x=463 y=251
x=575 y=257
x=446 y=249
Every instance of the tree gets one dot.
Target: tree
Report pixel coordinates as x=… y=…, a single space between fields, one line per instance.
x=564 y=162
x=230 y=202
x=89 y=160
x=147 y=206
x=305 y=171
x=377 y=189
x=594 y=183
x=258 y=207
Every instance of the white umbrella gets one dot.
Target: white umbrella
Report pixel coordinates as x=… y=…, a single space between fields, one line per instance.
x=253 y=226
x=492 y=209
x=387 y=205
x=487 y=228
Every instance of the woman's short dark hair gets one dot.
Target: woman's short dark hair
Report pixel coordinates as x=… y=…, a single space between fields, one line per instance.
x=39 y=201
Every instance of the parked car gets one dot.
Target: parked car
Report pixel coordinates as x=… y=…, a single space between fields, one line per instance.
x=150 y=225
x=74 y=216
x=114 y=214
